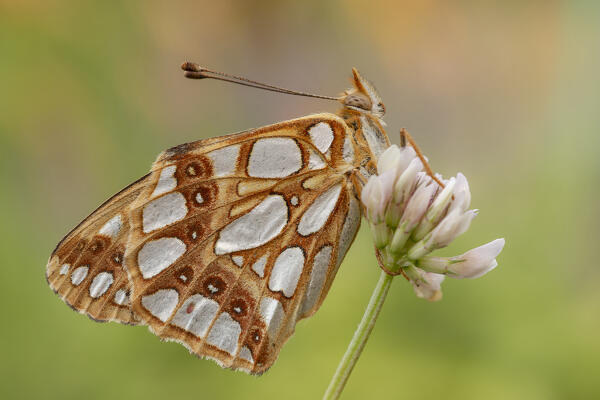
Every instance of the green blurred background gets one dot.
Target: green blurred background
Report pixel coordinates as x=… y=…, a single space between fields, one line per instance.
x=91 y=92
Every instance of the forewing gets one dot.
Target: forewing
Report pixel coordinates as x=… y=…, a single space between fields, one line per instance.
x=235 y=240
x=86 y=268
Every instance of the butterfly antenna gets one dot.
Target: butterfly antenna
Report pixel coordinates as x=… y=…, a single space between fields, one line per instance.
x=195 y=71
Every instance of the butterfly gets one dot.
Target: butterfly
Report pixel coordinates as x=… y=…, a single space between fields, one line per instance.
x=229 y=241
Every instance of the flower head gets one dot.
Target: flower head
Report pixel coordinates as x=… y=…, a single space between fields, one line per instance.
x=411 y=215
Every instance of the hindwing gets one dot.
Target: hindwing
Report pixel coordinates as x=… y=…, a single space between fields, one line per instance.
x=86 y=269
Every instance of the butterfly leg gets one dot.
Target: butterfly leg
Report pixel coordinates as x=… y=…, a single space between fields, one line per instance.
x=405 y=137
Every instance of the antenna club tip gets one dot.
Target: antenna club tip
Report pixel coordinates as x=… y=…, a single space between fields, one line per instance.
x=191 y=67
x=194 y=75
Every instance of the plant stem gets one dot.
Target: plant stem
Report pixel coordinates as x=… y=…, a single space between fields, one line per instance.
x=361 y=335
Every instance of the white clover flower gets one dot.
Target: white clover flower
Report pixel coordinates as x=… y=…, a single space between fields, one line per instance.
x=411 y=215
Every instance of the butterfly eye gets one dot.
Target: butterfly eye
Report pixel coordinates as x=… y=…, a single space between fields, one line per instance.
x=357 y=100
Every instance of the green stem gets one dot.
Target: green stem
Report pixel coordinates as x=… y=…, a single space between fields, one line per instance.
x=361 y=335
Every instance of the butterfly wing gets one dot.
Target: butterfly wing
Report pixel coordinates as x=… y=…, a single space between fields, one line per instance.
x=235 y=239
x=86 y=268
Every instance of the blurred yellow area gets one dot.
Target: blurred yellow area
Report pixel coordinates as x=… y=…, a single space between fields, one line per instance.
x=506 y=92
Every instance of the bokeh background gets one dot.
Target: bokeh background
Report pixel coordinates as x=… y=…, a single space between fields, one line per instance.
x=506 y=92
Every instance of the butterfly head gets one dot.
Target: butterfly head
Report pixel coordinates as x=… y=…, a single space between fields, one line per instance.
x=363 y=97
x=363 y=112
